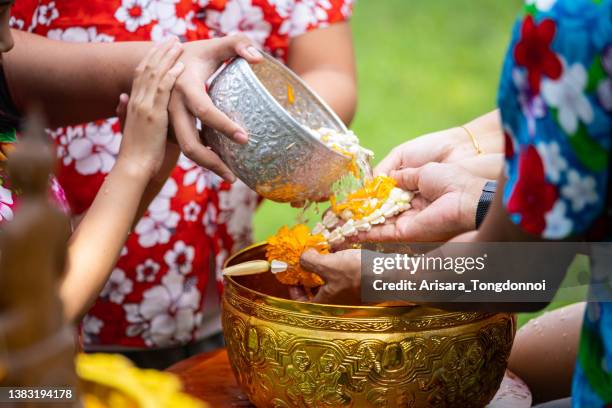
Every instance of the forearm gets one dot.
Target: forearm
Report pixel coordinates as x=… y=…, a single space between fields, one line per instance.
x=488 y=166
x=487 y=132
x=73 y=82
x=338 y=89
x=325 y=59
x=95 y=245
x=158 y=180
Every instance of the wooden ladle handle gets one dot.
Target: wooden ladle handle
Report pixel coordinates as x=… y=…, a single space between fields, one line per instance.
x=247 y=268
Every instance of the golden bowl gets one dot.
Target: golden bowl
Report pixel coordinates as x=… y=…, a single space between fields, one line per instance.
x=296 y=354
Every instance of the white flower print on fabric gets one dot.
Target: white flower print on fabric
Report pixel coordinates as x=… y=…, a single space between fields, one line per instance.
x=554 y=162
x=220 y=259
x=347 y=8
x=6 y=204
x=157 y=225
x=558 y=225
x=185 y=163
x=532 y=106
x=191 y=211
x=79 y=35
x=237 y=206
x=135 y=13
x=567 y=95
x=201 y=177
x=542 y=5
x=167 y=314
x=168 y=23
x=57 y=192
x=240 y=16
x=16 y=23
x=147 y=271
x=117 y=286
x=63 y=137
x=306 y=13
x=91 y=327
x=45 y=14
x=180 y=257
x=209 y=220
x=282 y=7
x=580 y=191
x=97 y=150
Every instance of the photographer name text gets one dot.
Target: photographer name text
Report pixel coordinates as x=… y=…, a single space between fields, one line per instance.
x=473 y=285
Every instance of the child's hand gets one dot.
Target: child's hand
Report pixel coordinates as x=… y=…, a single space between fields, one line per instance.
x=146 y=125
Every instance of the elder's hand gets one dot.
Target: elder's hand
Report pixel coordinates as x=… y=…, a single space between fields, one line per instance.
x=341 y=272
x=444 y=208
x=190 y=99
x=447 y=146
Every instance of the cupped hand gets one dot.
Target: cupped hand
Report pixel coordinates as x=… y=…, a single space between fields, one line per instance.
x=341 y=272
x=144 y=114
x=190 y=99
x=446 y=146
x=444 y=207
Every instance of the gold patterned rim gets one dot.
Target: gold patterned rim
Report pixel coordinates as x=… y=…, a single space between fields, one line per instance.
x=245 y=295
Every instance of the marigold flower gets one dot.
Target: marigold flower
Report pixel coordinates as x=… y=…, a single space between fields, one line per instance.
x=288 y=245
x=367 y=199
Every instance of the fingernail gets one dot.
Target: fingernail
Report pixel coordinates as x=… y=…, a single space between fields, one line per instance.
x=230 y=178
x=241 y=137
x=254 y=52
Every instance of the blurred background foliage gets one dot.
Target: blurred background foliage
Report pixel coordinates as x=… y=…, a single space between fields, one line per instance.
x=423 y=65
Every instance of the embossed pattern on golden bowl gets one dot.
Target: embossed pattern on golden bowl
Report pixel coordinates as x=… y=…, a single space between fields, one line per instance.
x=295 y=354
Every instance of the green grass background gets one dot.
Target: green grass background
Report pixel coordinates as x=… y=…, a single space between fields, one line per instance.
x=423 y=65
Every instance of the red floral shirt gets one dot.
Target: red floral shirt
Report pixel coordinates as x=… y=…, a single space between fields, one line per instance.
x=154 y=297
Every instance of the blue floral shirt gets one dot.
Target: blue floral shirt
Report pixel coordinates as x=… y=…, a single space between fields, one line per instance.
x=555 y=99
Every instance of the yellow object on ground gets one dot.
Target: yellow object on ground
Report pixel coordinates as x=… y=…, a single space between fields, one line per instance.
x=111 y=380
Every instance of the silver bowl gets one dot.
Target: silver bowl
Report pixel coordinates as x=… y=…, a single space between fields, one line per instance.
x=282 y=161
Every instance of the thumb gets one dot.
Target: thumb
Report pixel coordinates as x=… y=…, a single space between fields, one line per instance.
x=121 y=109
x=407 y=179
x=237 y=44
x=321 y=264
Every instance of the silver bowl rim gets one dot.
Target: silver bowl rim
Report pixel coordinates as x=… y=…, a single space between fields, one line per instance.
x=299 y=80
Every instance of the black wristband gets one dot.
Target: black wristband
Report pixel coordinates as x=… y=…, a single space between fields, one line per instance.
x=488 y=192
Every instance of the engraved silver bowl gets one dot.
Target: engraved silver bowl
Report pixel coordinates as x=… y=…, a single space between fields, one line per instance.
x=282 y=161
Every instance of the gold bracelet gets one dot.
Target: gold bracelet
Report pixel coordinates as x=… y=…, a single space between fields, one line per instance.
x=474 y=141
